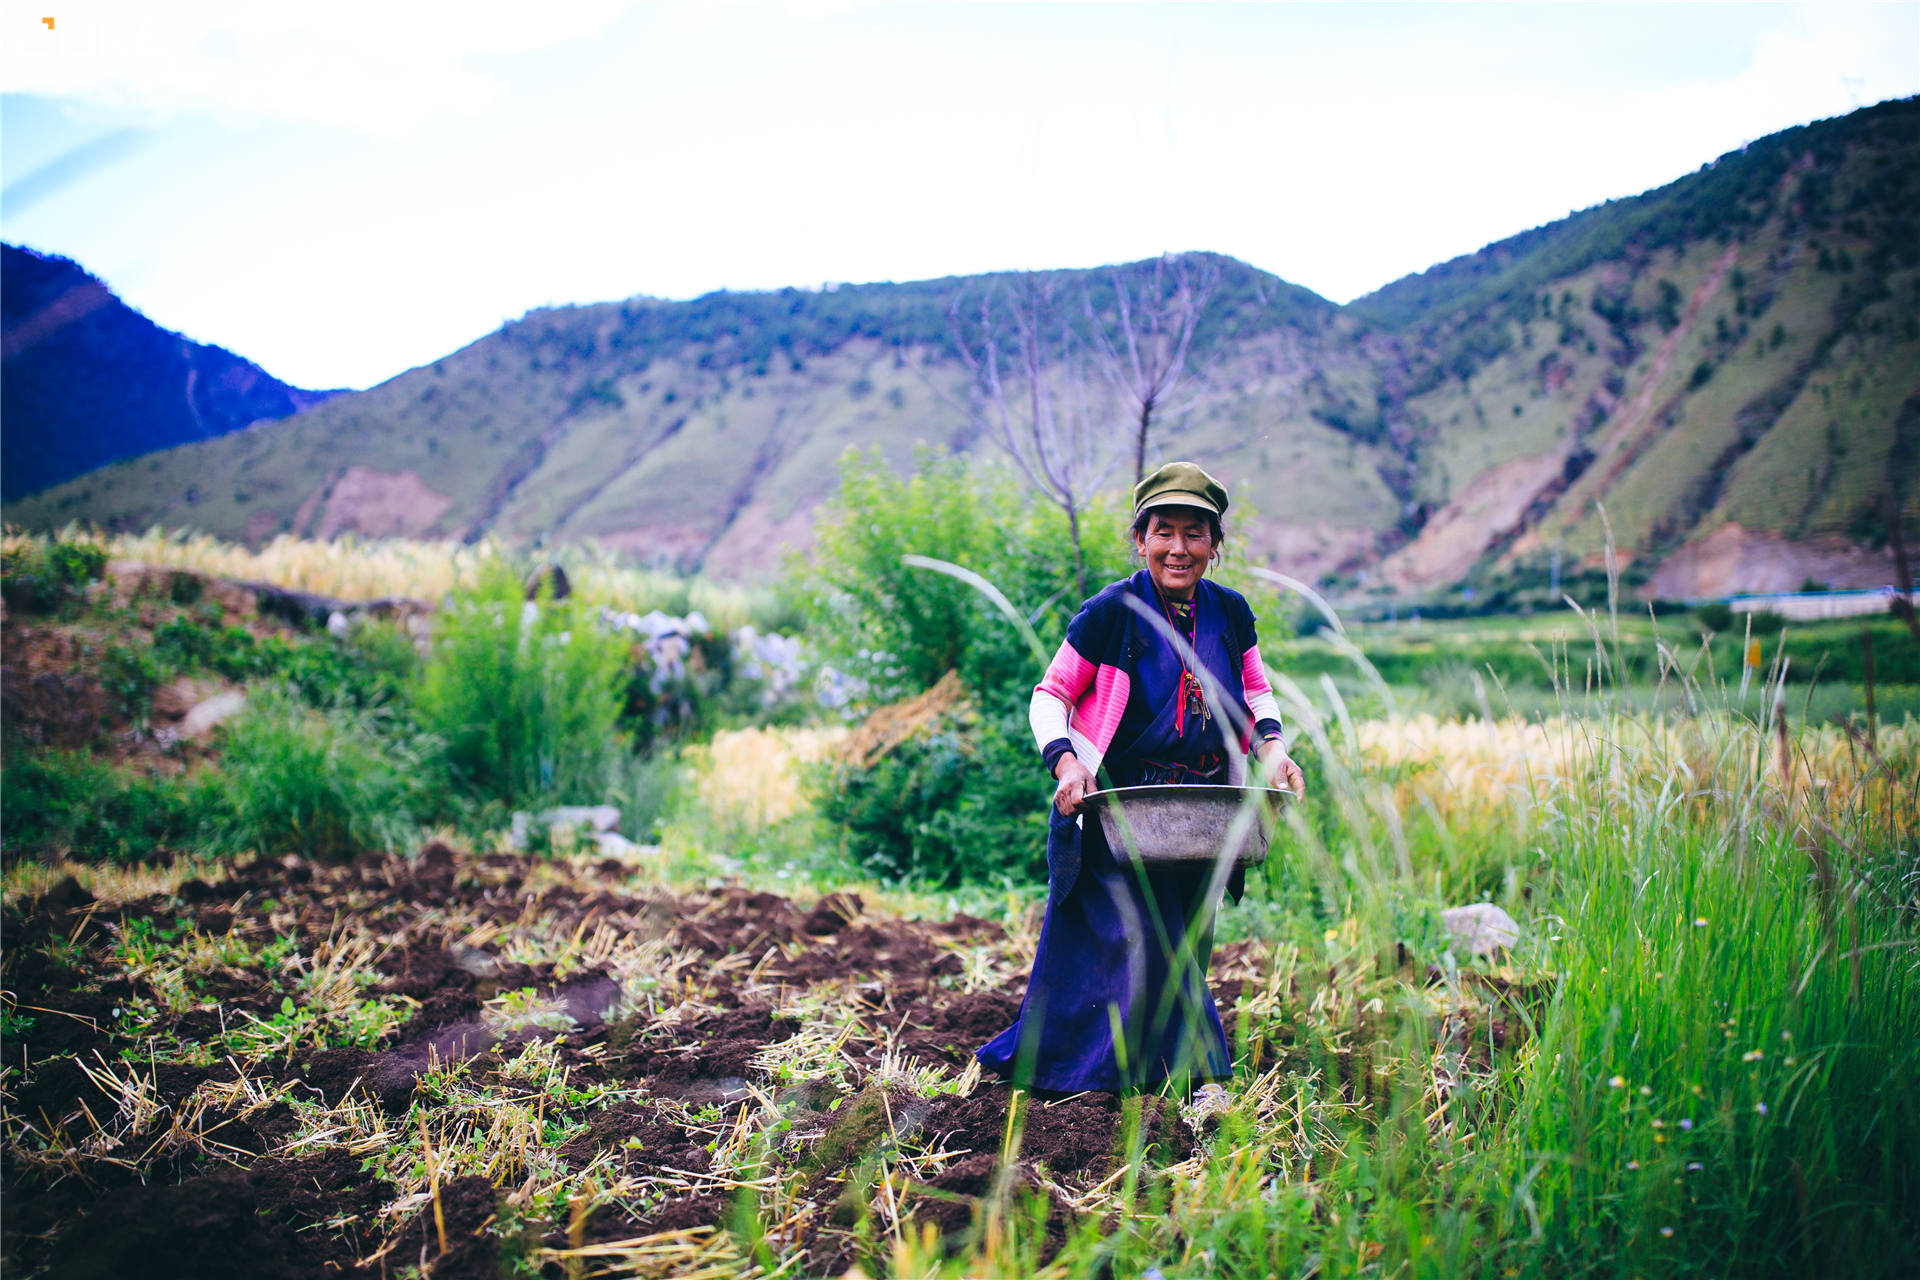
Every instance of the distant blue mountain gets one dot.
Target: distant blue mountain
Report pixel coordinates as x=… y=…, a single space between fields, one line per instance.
x=87 y=380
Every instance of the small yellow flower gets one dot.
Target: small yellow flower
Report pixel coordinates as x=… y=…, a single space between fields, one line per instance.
x=1618 y=1082
x=1751 y=1055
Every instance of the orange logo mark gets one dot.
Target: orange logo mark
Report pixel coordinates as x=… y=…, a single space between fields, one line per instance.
x=49 y=22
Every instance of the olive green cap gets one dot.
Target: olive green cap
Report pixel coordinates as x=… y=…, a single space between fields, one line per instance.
x=1180 y=484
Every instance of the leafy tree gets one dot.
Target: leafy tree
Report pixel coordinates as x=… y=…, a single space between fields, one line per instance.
x=965 y=797
x=898 y=629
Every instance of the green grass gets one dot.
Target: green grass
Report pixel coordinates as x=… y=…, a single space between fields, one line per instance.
x=325 y=784
x=523 y=697
x=65 y=804
x=1443 y=667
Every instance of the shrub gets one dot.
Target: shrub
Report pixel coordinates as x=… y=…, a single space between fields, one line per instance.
x=371 y=668
x=898 y=629
x=319 y=783
x=669 y=705
x=128 y=675
x=524 y=697
x=964 y=801
x=44 y=575
x=69 y=804
x=183 y=644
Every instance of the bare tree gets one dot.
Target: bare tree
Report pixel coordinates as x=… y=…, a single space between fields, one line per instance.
x=1049 y=407
x=1145 y=356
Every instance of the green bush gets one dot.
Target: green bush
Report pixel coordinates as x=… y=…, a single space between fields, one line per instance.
x=1715 y=617
x=184 y=644
x=324 y=784
x=965 y=801
x=899 y=629
x=68 y=804
x=128 y=675
x=371 y=668
x=44 y=575
x=524 y=698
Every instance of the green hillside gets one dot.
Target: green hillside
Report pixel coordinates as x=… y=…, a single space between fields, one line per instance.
x=1738 y=348
x=1741 y=346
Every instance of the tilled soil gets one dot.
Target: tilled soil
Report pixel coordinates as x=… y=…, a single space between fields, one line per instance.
x=455 y=1061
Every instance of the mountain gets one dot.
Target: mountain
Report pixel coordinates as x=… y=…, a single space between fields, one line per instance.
x=1725 y=371
x=88 y=380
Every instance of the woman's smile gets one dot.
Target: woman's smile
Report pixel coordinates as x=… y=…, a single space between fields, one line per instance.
x=1177 y=545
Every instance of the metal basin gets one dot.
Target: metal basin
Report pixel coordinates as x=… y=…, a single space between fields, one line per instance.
x=1185 y=824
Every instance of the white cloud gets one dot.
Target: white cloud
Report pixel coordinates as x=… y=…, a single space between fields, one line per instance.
x=374 y=68
x=475 y=165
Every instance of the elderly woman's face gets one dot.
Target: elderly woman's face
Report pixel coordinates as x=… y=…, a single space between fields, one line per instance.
x=1177 y=546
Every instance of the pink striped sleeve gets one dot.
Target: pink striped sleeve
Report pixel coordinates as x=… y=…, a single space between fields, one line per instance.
x=1261 y=704
x=1096 y=716
x=1253 y=674
x=1067 y=677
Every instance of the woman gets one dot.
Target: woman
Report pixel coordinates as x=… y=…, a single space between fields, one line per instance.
x=1118 y=996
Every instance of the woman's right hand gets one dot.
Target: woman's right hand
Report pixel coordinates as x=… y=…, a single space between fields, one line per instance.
x=1075 y=781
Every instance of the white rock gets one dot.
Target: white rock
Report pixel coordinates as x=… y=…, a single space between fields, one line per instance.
x=615 y=845
x=1481 y=929
x=202 y=716
x=598 y=820
x=600 y=817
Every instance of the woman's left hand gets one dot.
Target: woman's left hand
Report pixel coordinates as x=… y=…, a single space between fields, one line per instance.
x=1280 y=769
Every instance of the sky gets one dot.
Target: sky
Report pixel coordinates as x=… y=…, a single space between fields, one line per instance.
x=344 y=190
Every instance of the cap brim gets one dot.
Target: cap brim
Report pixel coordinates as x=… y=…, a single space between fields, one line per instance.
x=1179 y=498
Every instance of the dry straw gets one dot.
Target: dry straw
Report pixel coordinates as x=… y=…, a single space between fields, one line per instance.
x=350 y=568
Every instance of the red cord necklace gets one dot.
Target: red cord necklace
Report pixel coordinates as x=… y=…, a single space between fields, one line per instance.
x=1192 y=698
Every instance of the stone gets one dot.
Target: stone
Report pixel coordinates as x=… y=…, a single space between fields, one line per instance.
x=614 y=845
x=599 y=817
x=203 y=716
x=1480 y=929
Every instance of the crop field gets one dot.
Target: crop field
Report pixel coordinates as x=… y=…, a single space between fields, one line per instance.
x=476 y=1063
x=325 y=989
